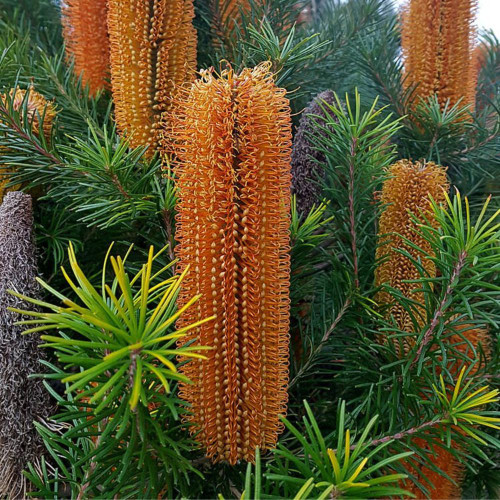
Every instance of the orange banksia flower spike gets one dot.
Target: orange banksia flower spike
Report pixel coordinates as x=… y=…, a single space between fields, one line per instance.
x=406 y=193
x=227 y=14
x=468 y=340
x=153 y=52
x=231 y=139
x=36 y=107
x=86 y=36
x=438 y=40
x=440 y=487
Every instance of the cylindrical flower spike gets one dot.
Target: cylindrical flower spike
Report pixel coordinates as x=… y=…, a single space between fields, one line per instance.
x=438 y=39
x=406 y=193
x=231 y=137
x=23 y=400
x=153 y=52
x=467 y=341
x=37 y=107
x=308 y=164
x=86 y=36
x=227 y=15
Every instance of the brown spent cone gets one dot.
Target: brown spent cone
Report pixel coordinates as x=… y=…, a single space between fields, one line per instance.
x=438 y=40
x=85 y=33
x=406 y=193
x=153 y=53
x=231 y=136
x=37 y=106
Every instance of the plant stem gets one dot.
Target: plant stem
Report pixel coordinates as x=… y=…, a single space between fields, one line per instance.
x=167 y=224
x=352 y=218
x=402 y=434
x=457 y=269
x=326 y=335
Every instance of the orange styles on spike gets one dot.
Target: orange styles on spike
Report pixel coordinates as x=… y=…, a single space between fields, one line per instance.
x=231 y=137
x=406 y=194
x=86 y=36
x=438 y=485
x=438 y=40
x=153 y=52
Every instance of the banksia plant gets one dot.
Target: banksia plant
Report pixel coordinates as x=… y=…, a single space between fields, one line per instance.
x=23 y=400
x=308 y=163
x=438 y=39
x=153 y=52
x=406 y=194
x=87 y=43
x=35 y=106
x=231 y=137
x=467 y=340
x=227 y=16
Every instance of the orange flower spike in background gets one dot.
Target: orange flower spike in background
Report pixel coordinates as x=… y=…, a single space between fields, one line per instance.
x=438 y=41
x=406 y=193
x=36 y=106
x=86 y=37
x=231 y=137
x=153 y=52
x=231 y=9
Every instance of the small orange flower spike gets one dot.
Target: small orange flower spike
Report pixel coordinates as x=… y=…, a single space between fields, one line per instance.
x=438 y=39
x=467 y=340
x=36 y=106
x=442 y=488
x=231 y=139
x=229 y=10
x=407 y=191
x=86 y=36
x=153 y=52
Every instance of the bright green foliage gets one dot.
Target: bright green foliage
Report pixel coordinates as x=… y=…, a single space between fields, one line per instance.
x=465 y=408
x=321 y=472
x=118 y=349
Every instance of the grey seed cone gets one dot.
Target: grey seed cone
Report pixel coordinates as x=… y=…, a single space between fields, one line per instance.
x=22 y=400
x=307 y=162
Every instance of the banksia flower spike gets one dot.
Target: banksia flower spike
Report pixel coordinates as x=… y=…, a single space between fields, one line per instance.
x=227 y=15
x=445 y=461
x=153 y=52
x=468 y=340
x=307 y=162
x=438 y=39
x=231 y=137
x=23 y=400
x=36 y=106
x=406 y=193
x=87 y=44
